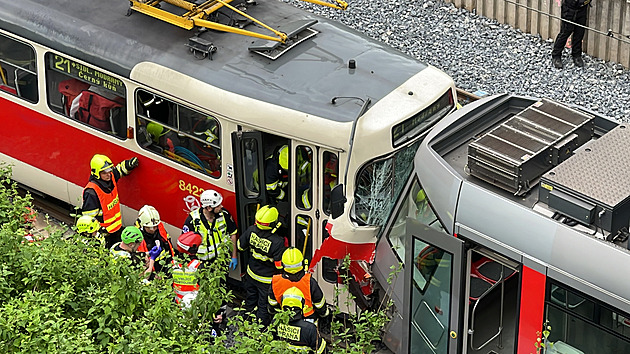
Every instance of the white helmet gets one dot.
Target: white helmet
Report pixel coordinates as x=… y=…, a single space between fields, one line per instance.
x=210 y=198
x=148 y=216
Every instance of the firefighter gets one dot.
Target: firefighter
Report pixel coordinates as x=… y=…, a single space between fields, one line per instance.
x=88 y=226
x=294 y=275
x=277 y=174
x=155 y=234
x=301 y=335
x=265 y=259
x=162 y=136
x=185 y=281
x=129 y=247
x=100 y=195
x=215 y=225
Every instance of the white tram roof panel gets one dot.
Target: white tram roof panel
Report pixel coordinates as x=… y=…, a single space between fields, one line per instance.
x=305 y=78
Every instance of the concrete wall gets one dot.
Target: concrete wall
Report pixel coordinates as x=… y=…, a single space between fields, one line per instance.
x=543 y=17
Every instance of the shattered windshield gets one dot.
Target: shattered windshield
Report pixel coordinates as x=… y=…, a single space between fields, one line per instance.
x=379 y=184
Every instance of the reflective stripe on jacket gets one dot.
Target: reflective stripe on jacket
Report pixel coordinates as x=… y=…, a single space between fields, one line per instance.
x=280 y=285
x=110 y=206
x=185 y=279
x=208 y=248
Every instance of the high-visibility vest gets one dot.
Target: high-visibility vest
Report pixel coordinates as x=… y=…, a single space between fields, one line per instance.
x=209 y=245
x=185 y=279
x=280 y=285
x=110 y=206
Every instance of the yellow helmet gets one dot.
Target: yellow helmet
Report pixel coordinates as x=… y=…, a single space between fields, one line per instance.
x=87 y=224
x=100 y=163
x=292 y=260
x=266 y=217
x=293 y=297
x=283 y=158
x=156 y=131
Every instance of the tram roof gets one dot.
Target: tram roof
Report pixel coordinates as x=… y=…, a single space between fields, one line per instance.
x=305 y=78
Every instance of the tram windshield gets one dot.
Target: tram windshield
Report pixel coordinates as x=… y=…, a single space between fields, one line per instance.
x=379 y=184
x=380 y=181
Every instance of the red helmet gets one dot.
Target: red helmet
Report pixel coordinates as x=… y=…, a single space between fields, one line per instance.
x=189 y=242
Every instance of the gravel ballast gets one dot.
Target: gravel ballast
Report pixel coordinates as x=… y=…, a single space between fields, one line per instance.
x=481 y=54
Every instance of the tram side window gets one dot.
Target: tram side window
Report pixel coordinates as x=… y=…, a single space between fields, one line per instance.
x=585 y=324
x=415 y=204
x=330 y=178
x=179 y=133
x=85 y=94
x=18 y=74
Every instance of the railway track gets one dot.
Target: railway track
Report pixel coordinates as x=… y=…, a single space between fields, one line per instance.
x=52 y=214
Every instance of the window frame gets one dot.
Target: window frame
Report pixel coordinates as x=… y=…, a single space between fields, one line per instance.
x=176 y=111
x=6 y=88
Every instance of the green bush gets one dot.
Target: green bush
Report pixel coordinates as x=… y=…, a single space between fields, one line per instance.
x=68 y=295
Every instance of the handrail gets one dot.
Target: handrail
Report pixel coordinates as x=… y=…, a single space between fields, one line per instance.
x=471 y=330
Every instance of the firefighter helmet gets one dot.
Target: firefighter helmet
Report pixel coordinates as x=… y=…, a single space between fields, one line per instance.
x=148 y=216
x=189 y=242
x=283 y=157
x=266 y=217
x=87 y=224
x=100 y=163
x=293 y=297
x=210 y=198
x=156 y=131
x=131 y=234
x=292 y=260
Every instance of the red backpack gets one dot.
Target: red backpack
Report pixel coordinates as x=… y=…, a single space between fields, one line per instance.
x=95 y=109
x=69 y=90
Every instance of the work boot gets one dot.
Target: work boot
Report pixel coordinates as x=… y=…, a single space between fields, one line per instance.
x=557 y=62
x=578 y=62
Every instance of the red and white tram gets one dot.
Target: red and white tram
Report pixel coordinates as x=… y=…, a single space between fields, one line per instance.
x=203 y=109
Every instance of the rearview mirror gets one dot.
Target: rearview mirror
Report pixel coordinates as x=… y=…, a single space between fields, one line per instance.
x=338 y=200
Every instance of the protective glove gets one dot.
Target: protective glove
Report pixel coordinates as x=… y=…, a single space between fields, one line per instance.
x=155 y=252
x=130 y=164
x=233 y=263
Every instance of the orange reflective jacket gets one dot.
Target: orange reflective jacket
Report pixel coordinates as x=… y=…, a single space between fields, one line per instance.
x=110 y=206
x=280 y=285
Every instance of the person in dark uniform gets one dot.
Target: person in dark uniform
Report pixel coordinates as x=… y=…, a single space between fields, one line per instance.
x=265 y=259
x=100 y=195
x=277 y=174
x=301 y=335
x=574 y=11
x=294 y=275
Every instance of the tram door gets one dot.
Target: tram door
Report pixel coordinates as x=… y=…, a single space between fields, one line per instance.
x=248 y=150
x=432 y=290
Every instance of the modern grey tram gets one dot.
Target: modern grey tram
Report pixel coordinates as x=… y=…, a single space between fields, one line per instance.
x=515 y=217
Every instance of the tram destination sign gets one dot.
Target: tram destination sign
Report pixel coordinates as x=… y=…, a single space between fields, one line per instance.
x=410 y=128
x=87 y=74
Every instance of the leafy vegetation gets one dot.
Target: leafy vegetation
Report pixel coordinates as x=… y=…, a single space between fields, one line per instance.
x=67 y=294
x=542 y=339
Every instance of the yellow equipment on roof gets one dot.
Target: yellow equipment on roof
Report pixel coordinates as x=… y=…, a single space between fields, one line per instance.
x=196 y=15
